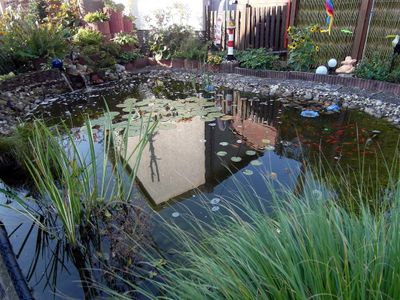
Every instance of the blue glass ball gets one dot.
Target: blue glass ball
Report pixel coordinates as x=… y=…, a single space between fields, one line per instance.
x=57 y=63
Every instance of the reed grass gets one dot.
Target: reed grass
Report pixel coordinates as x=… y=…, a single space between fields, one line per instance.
x=308 y=246
x=74 y=183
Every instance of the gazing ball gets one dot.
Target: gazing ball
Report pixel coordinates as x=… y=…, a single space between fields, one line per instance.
x=321 y=70
x=57 y=63
x=332 y=63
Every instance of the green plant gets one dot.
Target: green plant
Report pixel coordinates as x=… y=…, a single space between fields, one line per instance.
x=97 y=58
x=125 y=39
x=375 y=68
x=7 y=76
x=25 y=42
x=86 y=36
x=127 y=57
x=302 y=49
x=111 y=5
x=258 y=59
x=74 y=184
x=165 y=42
x=192 y=48
x=96 y=17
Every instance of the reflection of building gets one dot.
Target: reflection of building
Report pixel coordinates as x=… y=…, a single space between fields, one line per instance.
x=254 y=120
x=173 y=162
x=4 y=4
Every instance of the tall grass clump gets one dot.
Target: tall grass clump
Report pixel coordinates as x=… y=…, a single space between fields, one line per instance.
x=308 y=249
x=75 y=182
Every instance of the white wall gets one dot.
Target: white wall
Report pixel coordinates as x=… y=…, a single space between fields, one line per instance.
x=193 y=11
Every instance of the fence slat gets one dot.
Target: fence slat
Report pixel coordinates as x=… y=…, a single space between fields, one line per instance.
x=278 y=27
x=262 y=33
x=268 y=28
x=272 y=32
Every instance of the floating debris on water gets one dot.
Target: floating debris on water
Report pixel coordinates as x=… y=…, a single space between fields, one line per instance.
x=239 y=141
x=251 y=152
x=266 y=141
x=270 y=148
x=236 y=159
x=256 y=163
x=215 y=208
x=248 y=172
x=215 y=201
x=224 y=144
x=212 y=124
x=222 y=153
x=175 y=214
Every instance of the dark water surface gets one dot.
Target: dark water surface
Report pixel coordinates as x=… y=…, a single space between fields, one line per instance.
x=183 y=174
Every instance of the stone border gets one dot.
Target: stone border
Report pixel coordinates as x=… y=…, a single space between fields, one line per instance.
x=373 y=85
x=29 y=79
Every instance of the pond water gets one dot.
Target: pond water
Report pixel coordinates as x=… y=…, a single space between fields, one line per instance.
x=191 y=169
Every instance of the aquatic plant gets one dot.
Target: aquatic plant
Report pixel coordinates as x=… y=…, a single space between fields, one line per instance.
x=73 y=183
x=306 y=246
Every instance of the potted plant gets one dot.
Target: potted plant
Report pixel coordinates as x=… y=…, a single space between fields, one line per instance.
x=127 y=41
x=214 y=62
x=128 y=23
x=115 y=13
x=98 y=21
x=133 y=60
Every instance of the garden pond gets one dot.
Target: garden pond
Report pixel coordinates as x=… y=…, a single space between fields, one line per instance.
x=208 y=147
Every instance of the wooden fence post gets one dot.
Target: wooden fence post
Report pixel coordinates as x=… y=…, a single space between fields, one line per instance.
x=294 y=8
x=361 y=30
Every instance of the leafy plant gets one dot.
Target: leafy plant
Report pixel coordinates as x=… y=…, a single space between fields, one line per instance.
x=123 y=39
x=127 y=57
x=258 y=59
x=302 y=49
x=97 y=58
x=25 y=42
x=86 y=36
x=7 y=76
x=111 y=5
x=192 y=48
x=165 y=42
x=377 y=68
x=96 y=17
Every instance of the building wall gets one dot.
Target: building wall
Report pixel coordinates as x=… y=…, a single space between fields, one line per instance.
x=193 y=11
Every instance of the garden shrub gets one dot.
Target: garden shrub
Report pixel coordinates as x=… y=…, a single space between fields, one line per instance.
x=96 y=17
x=127 y=57
x=302 y=49
x=86 y=36
x=125 y=39
x=258 y=59
x=164 y=43
x=378 y=68
x=26 y=42
x=192 y=48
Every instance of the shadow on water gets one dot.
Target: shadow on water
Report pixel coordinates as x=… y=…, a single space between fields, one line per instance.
x=190 y=170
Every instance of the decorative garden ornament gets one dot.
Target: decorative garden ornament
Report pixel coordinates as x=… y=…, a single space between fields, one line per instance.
x=347 y=66
x=321 y=70
x=332 y=63
x=231 y=44
x=330 y=12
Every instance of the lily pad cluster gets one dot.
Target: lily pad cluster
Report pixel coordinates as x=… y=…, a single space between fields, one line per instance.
x=142 y=113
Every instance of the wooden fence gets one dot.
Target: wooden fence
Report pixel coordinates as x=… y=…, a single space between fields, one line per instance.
x=256 y=27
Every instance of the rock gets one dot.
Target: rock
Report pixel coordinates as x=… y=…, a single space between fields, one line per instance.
x=287 y=94
x=120 y=68
x=308 y=96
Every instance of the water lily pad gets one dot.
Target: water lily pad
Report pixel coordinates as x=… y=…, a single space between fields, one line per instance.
x=215 y=115
x=215 y=208
x=224 y=144
x=222 y=153
x=270 y=148
x=227 y=118
x=248 y=172
x=236 y=159
x=251 y=152
x=215 y=201
x=256 y=163
x=175 y=214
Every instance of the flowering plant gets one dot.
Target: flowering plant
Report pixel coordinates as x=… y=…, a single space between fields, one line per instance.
x=214 y=59
x=302 y=49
